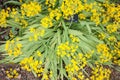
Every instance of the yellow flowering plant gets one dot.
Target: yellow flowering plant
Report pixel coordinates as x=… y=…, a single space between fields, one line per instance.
x=58 y=39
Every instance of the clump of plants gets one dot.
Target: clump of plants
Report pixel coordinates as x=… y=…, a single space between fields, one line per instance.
x=58 y=39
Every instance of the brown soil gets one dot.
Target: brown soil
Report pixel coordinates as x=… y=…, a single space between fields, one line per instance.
x=23 y=75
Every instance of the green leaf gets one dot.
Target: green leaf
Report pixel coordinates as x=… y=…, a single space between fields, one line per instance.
x=74 y=32
x=12 y=2
x=89 y=29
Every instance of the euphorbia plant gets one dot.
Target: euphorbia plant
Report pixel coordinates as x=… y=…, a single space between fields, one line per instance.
x=58 y=39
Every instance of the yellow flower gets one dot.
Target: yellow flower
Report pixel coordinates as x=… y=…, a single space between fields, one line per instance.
x=7 y=45
x=39 y=53
x=23 y=23
x=81 y=76
x=76 y=65
x=30 y=64
x=112 y=38
x=36 y=34
x=82 y=16
x=12 y=73
x=46 y=22
x=102 y=36
x=100 y=73
x=112 y=28
x=20 y=0
x=74 y=38
x=65 y=48
x=11 y=34
x=13 y=48
x=30 y=9
x=104 y=53
x=50 y=3
x=102 y=48
x=3 y=15
x=55 y=14
x=13 y=13
x=32 y=30
x=95 y=18
x=71 y=7
x=45 y=77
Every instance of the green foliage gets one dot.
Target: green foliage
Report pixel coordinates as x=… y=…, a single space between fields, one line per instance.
x=49 y=35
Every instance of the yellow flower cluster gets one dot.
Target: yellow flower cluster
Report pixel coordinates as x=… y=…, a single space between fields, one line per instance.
x=23 y=23
x=55 y=14
x=100 y=73
x=71 y=7
x=102 y=48
x=102 y=36
x=104 y=53
x=50 y=3
x=13 y=12
x=112 y=28
x=80 y=76
x=74 y=38
x=95 y=16
x=100 y=13
x=12 y=73
x=3 y=15
x=117 y=15
x=36 y=33
x=88 y=7
x=11 y=34
x=112 y=12
x=75 y=67
x=13 y=48
x=20 y=0
x=112 y=39
x=46 y=22
x=47 y=76
x=30 y=9
x=116 y=53
x=30 y=64
x=66 y=49
x=82 y=16
x=38 y=53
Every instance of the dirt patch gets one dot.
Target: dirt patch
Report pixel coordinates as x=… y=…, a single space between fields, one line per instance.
x=22 y=74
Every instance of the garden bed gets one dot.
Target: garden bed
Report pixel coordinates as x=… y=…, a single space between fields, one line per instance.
x=59 y=40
